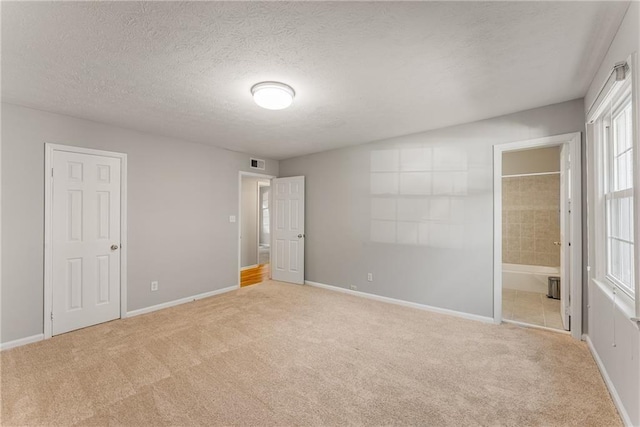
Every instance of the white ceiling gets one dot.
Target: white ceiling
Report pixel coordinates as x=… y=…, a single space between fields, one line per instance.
x=362 y=71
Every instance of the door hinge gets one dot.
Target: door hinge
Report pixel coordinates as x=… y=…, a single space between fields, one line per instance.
x=51 y=172
x=52 y=315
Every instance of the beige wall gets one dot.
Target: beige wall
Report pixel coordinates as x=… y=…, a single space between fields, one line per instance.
x=531 y=161
x=530 y=220
x=530 y=207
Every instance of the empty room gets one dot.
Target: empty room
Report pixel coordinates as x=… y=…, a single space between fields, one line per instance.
x=320 y=213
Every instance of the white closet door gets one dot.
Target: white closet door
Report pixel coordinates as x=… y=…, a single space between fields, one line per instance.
x=86 y=223
x=288 y=237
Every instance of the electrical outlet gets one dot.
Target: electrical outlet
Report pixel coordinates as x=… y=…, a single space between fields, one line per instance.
x=353 y=287
x=369 y=277
x=154 y=285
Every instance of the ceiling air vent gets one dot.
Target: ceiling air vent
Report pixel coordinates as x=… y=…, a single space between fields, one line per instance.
x=257 y=164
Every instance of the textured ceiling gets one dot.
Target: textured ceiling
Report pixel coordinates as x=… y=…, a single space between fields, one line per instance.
x=361 y=71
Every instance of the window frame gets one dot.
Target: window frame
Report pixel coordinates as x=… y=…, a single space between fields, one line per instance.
x=613 y=93
x=622 y=100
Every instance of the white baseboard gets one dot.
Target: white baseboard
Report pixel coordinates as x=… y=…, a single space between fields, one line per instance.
x=40 y=337
x=612 y=389
x=180 y=301
x=402 y=302
x=21 y=342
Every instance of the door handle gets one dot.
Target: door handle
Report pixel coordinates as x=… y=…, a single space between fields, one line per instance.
x=557 y=243
x=114 y=247
x=300 y=236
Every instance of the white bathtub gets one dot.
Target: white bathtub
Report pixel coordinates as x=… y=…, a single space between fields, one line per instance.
x=532 y=278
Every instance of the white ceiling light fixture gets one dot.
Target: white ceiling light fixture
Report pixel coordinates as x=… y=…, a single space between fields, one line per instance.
x=273 y=95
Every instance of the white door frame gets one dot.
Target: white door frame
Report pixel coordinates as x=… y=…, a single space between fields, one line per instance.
x=48 y=227
x=239 y=219
x=575 y=234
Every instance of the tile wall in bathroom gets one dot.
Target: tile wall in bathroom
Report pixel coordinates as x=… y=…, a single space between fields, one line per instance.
x=531 y=220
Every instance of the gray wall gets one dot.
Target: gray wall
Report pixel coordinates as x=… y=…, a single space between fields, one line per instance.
x=429 y=243
x=180 y=197
x=249 y=222
x=606 y=321
x=538 y=160
x=264 y=235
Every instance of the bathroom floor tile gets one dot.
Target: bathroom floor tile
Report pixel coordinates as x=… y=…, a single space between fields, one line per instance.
x=507 y=309
x=508 y=294
x=528 y=317
x=532 y=308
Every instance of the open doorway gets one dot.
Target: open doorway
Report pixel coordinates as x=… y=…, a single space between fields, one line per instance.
x=537 y=271
x=531 y=263
x=255 y=229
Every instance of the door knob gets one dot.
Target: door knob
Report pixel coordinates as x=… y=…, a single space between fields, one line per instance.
x=557 y=243
x=114 y=247
x=300 y=236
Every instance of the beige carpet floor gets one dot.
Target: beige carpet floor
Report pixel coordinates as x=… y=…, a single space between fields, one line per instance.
x=280 y=354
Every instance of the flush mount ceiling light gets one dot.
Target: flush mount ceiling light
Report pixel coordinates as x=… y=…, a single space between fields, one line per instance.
x=273 y=95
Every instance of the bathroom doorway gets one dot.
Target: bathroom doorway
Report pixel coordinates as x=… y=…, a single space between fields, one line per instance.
x=255 y=229
x=531 y=237
x=537 y=235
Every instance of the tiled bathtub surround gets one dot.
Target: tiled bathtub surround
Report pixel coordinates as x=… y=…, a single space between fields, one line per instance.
x=531 y=220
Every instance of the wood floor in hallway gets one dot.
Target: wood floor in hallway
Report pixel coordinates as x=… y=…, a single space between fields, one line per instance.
x=257 y=274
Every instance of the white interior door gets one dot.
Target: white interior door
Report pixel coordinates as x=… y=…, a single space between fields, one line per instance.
x=86 y=223
x=565 y=232
x=287 y=249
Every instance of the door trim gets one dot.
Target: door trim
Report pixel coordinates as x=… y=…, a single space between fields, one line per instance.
x=239 y=218
x=48 y=227
x=575 y=234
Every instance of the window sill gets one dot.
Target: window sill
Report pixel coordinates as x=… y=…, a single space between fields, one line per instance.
x=623 y=302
